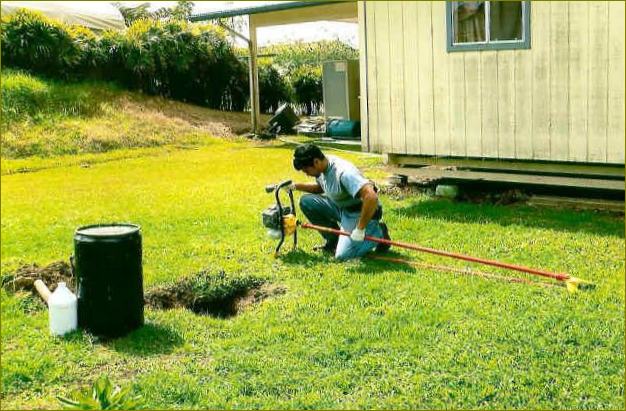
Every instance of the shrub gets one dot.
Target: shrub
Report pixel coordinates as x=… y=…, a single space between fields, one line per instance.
x=274 y=89
x=34 y=42
x=167 y=57
x=307 y=85
x=26 y=97
x=88 y=61
x=216 y=71
x=109 y=57
x=237 y=93
x=288 y=57
x=194 y=64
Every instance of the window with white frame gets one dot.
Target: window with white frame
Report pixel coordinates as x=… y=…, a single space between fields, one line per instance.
x=488 y=25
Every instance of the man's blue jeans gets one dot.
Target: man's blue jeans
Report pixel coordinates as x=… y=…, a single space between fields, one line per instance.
x=322 y=211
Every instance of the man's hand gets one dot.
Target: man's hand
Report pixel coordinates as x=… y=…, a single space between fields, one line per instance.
x=357 y=235
x=292 y=187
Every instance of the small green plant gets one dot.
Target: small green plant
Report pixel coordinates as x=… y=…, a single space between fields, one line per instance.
x=102 y=395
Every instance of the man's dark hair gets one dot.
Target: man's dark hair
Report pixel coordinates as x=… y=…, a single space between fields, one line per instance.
x=305 y=154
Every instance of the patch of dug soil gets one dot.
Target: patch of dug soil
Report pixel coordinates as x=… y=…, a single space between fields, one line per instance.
x=216 y=295
x=256 y=295
x=23 y=279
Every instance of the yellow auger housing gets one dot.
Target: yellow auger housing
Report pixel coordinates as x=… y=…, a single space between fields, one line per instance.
x=289 y=224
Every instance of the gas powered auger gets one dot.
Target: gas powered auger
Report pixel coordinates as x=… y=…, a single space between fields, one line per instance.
x=281 y=221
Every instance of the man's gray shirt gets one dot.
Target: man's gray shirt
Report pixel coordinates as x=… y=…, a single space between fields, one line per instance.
x=341 y=182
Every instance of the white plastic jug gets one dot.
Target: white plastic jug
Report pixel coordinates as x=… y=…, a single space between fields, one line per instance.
x=62 y=308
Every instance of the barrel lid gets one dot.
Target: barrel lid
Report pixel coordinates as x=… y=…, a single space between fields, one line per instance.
x=108 y=230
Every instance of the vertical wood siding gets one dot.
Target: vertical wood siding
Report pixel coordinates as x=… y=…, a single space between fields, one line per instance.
x=561 y=100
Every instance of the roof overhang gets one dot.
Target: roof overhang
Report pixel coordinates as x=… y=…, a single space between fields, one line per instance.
x=289 y=12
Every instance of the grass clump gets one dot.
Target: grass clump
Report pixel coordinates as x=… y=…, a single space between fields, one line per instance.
x=35 y=100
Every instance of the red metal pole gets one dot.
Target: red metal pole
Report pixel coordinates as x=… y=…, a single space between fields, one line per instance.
x=556 y=276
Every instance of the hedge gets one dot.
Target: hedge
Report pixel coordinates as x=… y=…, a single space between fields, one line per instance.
x=171 y=58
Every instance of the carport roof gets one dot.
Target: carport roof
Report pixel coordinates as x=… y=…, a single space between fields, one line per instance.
x=261 y=8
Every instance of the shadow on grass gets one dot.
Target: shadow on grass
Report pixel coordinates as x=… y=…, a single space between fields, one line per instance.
x=603 y=224
x=151 y=339
x=265 y=144
x=302 y=257
x=324 y=145
x=370 y=265
x=366 y=265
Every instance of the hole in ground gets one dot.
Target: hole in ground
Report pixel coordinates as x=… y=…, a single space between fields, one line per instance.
x=217 y=295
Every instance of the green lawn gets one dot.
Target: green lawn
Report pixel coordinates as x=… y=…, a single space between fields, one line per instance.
x=353 y=335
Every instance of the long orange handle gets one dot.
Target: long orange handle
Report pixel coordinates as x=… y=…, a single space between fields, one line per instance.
x=556 y=276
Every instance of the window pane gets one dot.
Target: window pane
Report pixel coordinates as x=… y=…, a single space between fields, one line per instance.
x=469 y=21
x=505 y=20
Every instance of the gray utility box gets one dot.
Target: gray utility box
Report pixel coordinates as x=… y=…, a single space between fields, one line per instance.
x=340 y=80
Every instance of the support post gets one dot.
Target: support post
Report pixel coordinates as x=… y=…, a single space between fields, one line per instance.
x=255 y=111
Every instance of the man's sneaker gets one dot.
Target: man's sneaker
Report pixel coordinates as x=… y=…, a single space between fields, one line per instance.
x=380 y=247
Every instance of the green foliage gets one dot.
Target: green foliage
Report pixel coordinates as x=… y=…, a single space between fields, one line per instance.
x=161 y=54
x=168 y=57
x=35 y=42
x=131 y=14
x=110 y=57
x=181 y=11
x=101 y=396
x=90 y=53
x=289 y=57
x=274 y=89
x=32 y=99
x=307 y=86
x=22 y=95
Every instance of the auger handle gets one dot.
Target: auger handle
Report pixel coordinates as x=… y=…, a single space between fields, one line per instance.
x=274 y=187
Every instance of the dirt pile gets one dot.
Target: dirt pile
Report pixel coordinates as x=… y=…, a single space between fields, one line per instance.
x=24 y=277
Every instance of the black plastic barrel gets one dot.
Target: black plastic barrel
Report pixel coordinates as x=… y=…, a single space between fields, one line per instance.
x=108 y=269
